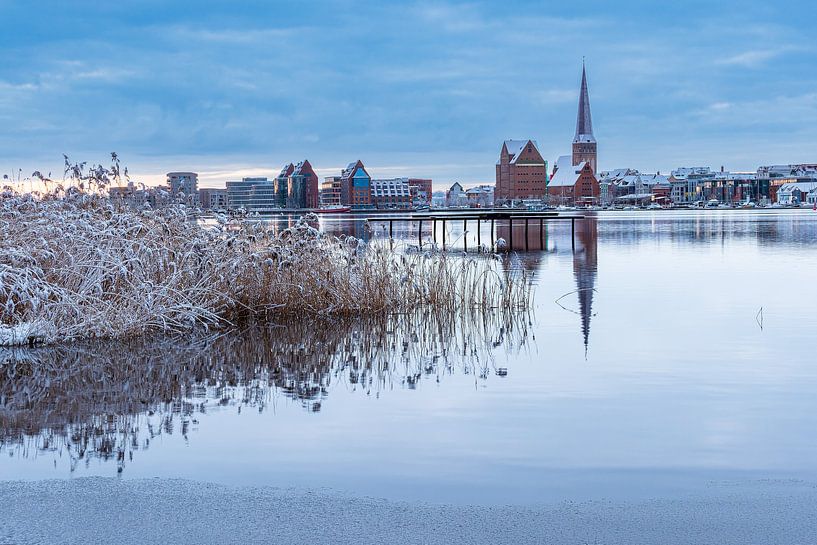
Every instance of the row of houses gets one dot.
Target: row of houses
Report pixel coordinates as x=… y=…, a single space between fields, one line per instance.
x=784 y=184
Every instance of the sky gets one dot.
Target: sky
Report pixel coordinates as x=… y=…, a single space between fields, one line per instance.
x=423 y=89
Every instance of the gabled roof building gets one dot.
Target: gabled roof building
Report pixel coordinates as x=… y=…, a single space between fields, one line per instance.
x=521 y=172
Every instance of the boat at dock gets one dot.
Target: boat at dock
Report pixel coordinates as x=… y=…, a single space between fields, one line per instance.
x=333 y=210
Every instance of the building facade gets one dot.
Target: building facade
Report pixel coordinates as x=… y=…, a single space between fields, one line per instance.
x=330 y=191
x=211 y=198
x=356 y=186
x=421 y=190
x=186 y=183
x=573 y=185
x=255 y=194
x=521 y=172
x=391 y=193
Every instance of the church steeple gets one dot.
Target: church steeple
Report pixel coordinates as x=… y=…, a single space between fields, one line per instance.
x=584 y=143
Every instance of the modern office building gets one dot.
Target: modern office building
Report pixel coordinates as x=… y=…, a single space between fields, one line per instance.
x=391 y=193
x=186 y=183
x=211 y=198
x=330 y=191
x=253 y=195
x=356 y=186
x=282 y=184
x=303 y=187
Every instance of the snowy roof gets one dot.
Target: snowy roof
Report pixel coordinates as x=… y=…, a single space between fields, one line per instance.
x=803 y=187
x=617 y=174
x=516 y=147
x=566 y=173
x=286 y=171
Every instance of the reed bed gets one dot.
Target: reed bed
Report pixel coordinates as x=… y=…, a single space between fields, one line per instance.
x=80 y=265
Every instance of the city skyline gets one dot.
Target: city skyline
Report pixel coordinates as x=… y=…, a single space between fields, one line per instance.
x=432 y=90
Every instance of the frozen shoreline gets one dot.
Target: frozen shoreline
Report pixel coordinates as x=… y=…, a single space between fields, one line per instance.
x=103 y=510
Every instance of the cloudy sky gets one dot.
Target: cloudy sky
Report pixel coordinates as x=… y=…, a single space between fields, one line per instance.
x=412 y=88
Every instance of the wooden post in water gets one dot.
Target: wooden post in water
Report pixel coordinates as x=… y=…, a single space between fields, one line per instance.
x=391 y=233
x=434 y=230
x=541 y=233
x=573 y=233
x=465 y=234
x=492 y=234
x=443 y=234
x=420 y=234
x=510 y=235
x=526 y=234
x=479 y=242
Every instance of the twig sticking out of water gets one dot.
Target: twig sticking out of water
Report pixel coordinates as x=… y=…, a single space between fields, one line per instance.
x=759 y=318
x=571 y=293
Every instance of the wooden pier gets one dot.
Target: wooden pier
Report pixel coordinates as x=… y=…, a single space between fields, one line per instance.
x=492 y=216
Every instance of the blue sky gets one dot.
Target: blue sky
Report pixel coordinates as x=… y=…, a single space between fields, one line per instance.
x=411 y=88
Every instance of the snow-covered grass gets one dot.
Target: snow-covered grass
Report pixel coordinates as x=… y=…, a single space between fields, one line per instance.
x=80 y=265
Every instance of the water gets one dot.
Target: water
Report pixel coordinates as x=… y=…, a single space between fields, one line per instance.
x=665 y=352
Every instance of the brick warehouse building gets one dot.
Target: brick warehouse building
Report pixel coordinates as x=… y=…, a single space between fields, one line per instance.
x=521 y=172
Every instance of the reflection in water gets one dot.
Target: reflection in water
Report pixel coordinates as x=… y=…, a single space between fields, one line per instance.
x=108 y=400
x=585 y=269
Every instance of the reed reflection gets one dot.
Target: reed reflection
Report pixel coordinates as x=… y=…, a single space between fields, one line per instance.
x=108 y=400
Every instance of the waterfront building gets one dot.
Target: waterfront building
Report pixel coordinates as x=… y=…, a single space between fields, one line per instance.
x=184 y=183
x=455 y=196
x=391 y=193
x=211 y=198
x=481 y=196
x=255 y=194
x=584 y=143
x=282 y=184
x=609 y=182
x=330 y=191
x=438 y=199
x=521 y=172
x=301 y=188
x=796 y=192
x=421 y=190
x=356 y=186
x=573 y=184
x=771 y=178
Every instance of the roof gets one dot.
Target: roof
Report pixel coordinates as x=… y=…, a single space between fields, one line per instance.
x=286 y=170
x=566 y=173
x=351 y=168
x=584 y=121
x=516 y=147
x=803 y=187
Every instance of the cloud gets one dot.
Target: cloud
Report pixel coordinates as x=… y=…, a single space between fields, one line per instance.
x=753 y=58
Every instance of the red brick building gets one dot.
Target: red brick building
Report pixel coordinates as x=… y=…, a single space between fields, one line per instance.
x=573 y=185
x=355 y=186
x=421 y=187
x=521 y=172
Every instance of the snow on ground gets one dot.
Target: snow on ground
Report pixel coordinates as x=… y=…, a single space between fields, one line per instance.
x=97 y=510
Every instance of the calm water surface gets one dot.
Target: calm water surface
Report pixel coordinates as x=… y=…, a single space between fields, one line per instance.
x=663 y=352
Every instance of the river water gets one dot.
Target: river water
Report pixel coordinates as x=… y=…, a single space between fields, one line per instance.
x=664 y=352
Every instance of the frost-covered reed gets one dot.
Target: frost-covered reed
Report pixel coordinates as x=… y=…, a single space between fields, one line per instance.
x=81 y=265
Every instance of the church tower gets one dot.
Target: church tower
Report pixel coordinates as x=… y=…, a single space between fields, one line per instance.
x=584 y=143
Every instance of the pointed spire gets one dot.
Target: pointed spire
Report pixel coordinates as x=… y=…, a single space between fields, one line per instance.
x=584 y=122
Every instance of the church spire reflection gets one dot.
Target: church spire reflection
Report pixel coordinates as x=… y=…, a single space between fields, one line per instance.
x=585 y=269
